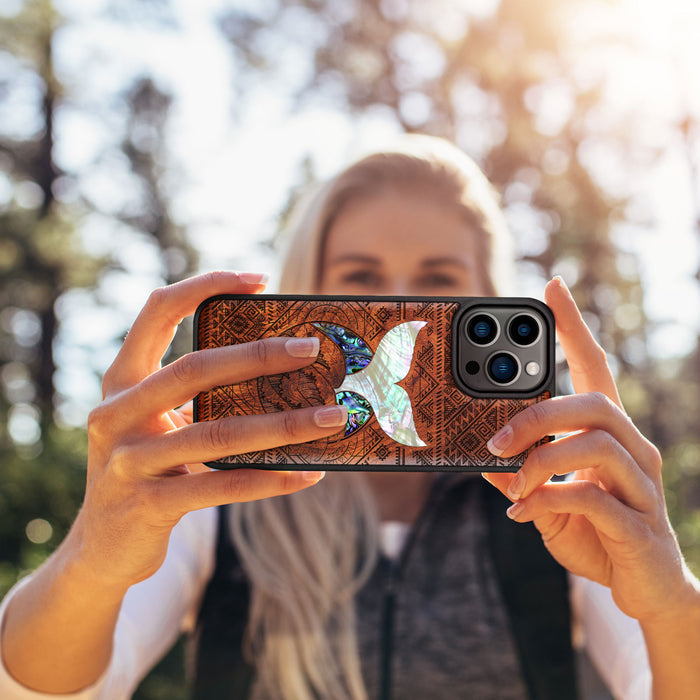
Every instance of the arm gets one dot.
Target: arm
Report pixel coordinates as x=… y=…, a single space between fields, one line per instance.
x=152 y=614
x=144 y=473
x=610 y=523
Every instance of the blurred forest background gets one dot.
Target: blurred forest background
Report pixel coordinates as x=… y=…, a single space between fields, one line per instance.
x=585 y=115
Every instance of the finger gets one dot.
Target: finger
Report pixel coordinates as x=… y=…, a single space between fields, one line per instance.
x=587 y=361
x=214 y=488
x=608 y=515
x=198 y=371
x=217 y=439
x=153 y=330
x=567 y=414
x=183 y=415
x=592 y=449
x=585 y=557
x=501 y=480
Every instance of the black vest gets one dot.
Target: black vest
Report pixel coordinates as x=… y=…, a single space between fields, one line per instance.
x=533 y=588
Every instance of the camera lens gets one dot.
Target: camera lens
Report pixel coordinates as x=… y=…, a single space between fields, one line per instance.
x=503 y=368
x=482 y=329
x=524 y=330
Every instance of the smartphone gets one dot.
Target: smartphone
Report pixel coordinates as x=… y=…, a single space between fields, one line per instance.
x=427 y=381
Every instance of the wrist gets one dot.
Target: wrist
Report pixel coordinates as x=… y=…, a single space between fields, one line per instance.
x=672 y=638
x=682 y=608
x=82 y=563
x=63 y=612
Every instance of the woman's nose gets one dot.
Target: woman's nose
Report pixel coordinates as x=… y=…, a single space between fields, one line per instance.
x=399 y=287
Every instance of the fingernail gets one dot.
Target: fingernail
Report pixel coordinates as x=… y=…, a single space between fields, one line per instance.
x=313 y=477
x=560 y=281
x=516 y=486
x=515 y=510
x=331 y=416
x=302 y=347
x=253 y=277
x=500 y=441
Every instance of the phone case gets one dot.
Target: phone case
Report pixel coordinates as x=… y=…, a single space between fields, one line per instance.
x=391 y=361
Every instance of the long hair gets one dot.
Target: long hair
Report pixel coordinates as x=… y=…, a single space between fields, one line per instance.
x=307 y=554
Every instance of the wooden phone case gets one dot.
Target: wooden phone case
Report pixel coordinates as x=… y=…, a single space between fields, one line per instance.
x=440 y=426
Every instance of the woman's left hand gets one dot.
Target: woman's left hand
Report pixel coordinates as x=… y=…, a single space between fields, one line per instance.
x=609 y=523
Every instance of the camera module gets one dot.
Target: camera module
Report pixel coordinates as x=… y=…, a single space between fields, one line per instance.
x=482 y=329
x=503 y=368
x=524 y=330
x=503 y=348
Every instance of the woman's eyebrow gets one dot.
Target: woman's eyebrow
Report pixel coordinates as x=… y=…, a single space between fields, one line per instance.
x=355 y=258
x=452 y=262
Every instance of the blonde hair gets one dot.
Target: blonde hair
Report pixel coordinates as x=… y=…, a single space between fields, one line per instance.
x=434 y=167
x=307 y=554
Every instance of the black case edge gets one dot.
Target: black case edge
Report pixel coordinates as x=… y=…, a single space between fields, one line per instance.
x=464 y=302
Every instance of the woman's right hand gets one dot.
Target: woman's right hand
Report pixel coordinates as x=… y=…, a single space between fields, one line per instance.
x=145 y=459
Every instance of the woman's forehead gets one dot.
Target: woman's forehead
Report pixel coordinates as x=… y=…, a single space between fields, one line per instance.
x=398 y=224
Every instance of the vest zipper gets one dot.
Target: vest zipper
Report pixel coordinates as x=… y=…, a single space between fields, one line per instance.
x=395 y=571
x=387 y=638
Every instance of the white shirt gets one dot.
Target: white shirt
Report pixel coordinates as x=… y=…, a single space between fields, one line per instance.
x=156 y=611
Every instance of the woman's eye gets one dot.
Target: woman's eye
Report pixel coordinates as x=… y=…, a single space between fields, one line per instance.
x=362 y=278
x=438 y=280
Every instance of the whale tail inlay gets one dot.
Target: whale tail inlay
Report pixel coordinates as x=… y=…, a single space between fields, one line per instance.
x=377 y=381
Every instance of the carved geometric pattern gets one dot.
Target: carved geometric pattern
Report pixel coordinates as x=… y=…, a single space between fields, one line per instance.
x=455 y=426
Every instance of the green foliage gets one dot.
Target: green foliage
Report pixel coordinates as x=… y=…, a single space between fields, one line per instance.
x=43 y=485
x=42 y=259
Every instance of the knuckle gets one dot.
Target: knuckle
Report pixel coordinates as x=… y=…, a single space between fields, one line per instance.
x=538 y=414
x=290 y=428
x=100 y=420
x=589 y=495
x=238 y=486
x=537 y=464
x=605 y=444
x=599 y=356
x=157 y=298
x=218 y=435
x=215 y=277
x=654 y=457
x=260 y=352
x=121 y=461
x=189 y=368
x=600 y=402
x=107 y=381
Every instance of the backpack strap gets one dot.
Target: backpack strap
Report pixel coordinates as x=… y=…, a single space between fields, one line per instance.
x=535 y=592
x=221 y=671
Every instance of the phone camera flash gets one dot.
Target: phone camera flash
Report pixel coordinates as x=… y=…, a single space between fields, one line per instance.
x=532 y=368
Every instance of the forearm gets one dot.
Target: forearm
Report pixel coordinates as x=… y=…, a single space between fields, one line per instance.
x=673 y=646
x=58 y=629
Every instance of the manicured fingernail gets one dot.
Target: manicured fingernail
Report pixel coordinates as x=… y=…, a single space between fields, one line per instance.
x=500 y=441
x=560 y=281
x=331 y=416
x=313 y=477
x=516 y=486
x=302 y=347
x=253 y=277
x=515 y=510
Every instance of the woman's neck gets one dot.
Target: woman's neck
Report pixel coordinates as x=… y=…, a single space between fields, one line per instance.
x=400 y=496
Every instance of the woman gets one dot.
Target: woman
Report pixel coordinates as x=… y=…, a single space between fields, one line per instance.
x=420 y=221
